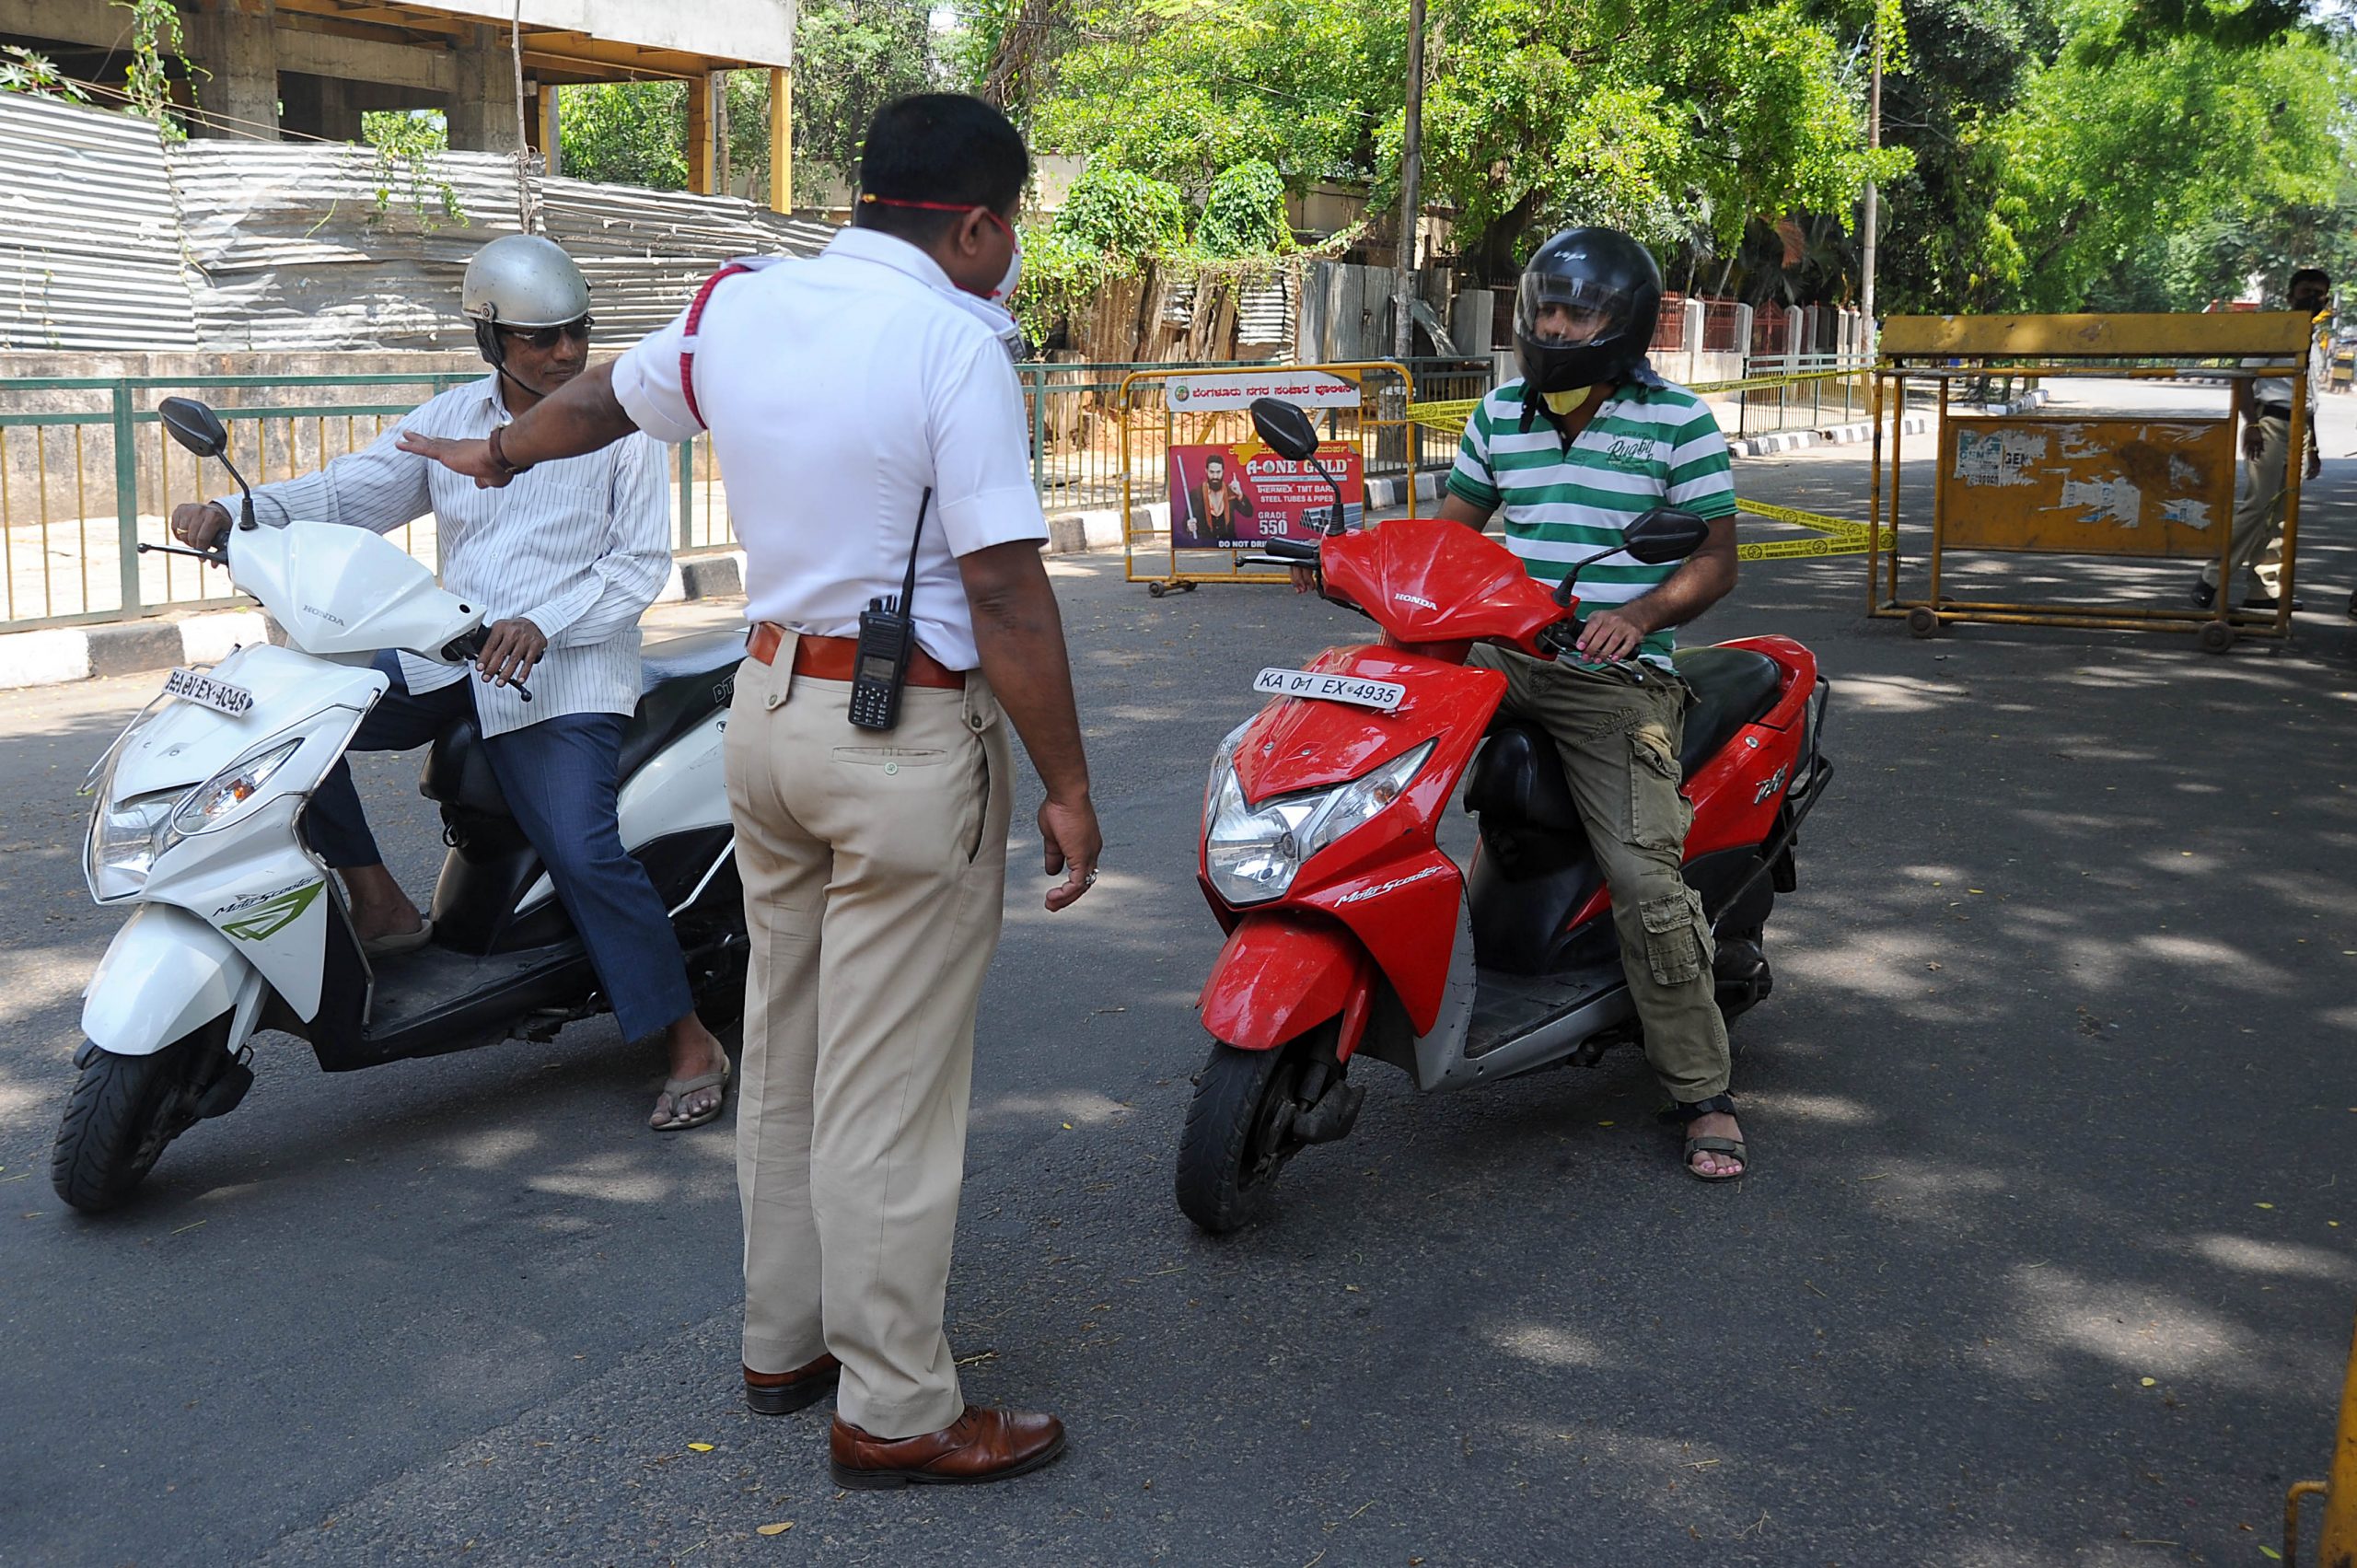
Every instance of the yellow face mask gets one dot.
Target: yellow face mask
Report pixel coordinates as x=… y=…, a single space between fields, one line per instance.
x=1563 y=404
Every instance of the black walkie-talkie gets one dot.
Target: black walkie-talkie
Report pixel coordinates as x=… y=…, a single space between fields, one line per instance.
x=888 y=636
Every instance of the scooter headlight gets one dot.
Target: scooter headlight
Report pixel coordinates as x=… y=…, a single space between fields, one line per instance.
x=125 y=838
x=222 y=794
x=1253 y=851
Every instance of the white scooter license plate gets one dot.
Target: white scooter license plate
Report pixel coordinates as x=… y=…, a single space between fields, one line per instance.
x=1383 y=694
x=221 y=697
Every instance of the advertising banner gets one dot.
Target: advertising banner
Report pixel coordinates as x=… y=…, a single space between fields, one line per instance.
x=1240 y=495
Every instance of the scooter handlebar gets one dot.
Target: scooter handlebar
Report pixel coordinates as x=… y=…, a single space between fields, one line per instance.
x=1292 y=550
x=466 y=648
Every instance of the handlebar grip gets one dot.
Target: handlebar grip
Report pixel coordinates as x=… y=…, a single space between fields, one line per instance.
x=1292 y=550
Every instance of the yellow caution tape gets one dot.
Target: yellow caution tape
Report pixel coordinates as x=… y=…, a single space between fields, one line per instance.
x=1450 y=416
x=1816 y=520
x=1842 y=536
x=1791 y=549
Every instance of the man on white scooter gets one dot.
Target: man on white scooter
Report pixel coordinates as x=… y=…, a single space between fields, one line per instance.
x=1585 y=443
x=564 y=562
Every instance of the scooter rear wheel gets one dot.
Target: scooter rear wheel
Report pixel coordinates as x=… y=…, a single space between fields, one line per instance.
x=1238 y=1134
x=124 y=1110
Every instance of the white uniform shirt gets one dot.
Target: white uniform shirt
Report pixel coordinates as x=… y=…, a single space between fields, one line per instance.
x=837 y=389
x=579 y=547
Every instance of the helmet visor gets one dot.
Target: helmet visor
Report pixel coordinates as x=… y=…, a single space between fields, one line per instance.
x=1552 y=309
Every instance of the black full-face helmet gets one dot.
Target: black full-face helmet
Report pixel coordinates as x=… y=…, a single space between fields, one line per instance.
x=1594 y=272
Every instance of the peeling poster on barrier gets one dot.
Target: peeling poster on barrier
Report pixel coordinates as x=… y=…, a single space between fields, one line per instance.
x=2105 y=500
x=2001 y=457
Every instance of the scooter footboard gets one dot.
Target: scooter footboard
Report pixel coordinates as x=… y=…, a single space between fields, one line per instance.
x=166 y=974
x=1281 y=975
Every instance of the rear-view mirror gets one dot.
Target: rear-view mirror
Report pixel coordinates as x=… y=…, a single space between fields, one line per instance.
x=1666 y=533
x=194 y=426
x=1285 y=429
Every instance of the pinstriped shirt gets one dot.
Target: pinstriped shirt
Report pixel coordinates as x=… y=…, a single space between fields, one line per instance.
x=579 y=547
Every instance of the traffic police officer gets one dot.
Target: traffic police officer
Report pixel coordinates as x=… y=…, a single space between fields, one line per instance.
x=859 y=401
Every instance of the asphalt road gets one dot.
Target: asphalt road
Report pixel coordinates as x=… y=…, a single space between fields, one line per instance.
x=2047 y=1259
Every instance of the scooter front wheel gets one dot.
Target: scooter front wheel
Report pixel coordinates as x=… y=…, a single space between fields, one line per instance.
x=1239 y=1134
x=124 y=1110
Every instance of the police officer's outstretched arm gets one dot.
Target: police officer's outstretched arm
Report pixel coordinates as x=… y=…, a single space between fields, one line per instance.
x=1019 y=633
x=580 y=417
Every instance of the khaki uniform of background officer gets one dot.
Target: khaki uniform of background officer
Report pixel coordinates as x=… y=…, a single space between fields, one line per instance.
x=839 y=390
x=2265 y=410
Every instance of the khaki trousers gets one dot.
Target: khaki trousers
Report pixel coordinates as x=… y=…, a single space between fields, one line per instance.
x=875 y=871
x=2258 y=512
x=1619 y=740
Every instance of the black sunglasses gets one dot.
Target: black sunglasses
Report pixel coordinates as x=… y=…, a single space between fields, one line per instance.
x=546 y=337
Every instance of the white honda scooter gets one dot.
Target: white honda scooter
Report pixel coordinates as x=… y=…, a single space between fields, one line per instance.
x=237 y=927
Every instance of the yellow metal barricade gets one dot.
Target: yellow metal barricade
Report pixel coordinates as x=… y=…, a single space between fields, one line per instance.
x=2339 y=1547
x=1176 y=424
x=2101 y=486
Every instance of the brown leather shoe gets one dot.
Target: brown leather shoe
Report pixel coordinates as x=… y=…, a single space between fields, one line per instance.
x=983 y=1445
x=783 y=1393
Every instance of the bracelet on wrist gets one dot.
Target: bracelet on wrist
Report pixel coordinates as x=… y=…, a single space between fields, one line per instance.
x=507 y=468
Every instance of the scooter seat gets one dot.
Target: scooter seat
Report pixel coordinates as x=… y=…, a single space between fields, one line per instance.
x=1732 y=687
x=1519 y=777
x=683 y=681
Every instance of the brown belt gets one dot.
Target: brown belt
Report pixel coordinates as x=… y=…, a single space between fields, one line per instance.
x=837 y=658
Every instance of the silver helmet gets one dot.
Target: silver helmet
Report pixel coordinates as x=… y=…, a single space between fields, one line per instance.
x=524 y=281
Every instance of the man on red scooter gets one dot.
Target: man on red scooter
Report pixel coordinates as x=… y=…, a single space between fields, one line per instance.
x=1585 y=444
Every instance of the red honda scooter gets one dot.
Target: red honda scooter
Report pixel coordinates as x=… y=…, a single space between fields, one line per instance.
x=1350 y=933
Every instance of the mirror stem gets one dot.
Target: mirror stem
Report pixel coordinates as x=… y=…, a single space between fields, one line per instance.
x=1564 y=588
x=246 y=505
x=1337 y=489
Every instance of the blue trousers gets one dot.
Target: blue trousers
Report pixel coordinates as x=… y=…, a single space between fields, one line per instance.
x=561 y=777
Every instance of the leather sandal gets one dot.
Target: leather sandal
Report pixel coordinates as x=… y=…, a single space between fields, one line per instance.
x=680 y=1088
x=1684 y=1113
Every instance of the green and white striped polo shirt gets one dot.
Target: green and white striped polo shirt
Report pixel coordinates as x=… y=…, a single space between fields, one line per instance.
x=1646 y=447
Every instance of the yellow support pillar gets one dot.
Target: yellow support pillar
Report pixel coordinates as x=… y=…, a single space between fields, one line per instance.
x=781 y=139
x=702 y=165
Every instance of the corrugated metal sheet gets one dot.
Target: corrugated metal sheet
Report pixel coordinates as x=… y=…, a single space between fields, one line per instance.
x=296 y=252
x=89 y=240
x=1264 y=313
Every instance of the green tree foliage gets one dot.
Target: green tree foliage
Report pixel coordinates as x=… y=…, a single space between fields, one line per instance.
x=1244 y=213
x=407 y=142
x=1123 y=214
x=2129 y=161
x=1676 y=119
x=852 y=57
x=23 y=71
x=1184 y=89
x=628 y=133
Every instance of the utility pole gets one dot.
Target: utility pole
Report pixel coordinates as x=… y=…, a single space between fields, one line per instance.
x=1411 y=162
x=1874 y=196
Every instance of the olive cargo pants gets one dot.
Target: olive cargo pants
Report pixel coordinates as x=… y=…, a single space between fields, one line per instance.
x=1619 y=740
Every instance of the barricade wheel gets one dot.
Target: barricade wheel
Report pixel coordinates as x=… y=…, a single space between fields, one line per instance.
x=1155 y=590
x=1923 y=620
x=2216 y=637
